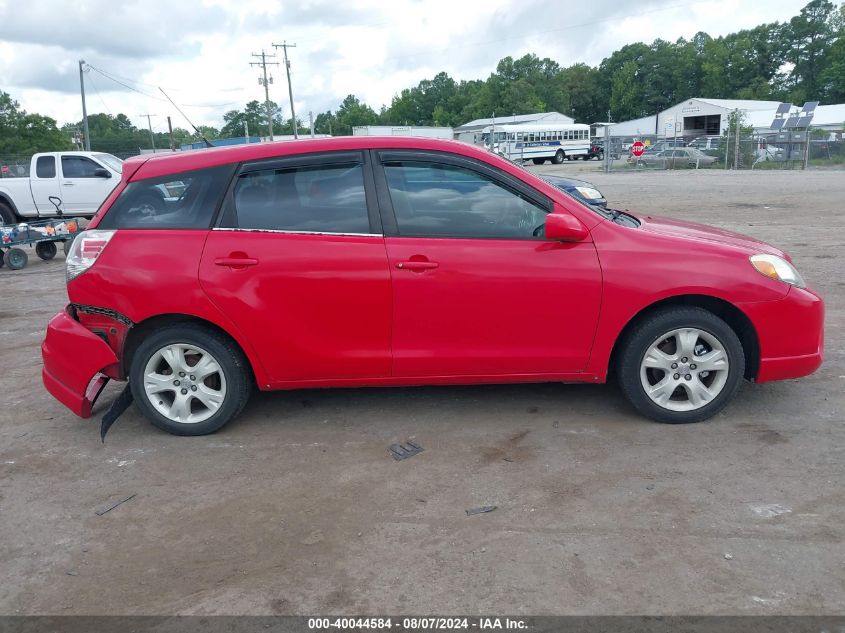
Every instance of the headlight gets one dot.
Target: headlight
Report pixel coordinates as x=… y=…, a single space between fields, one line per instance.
x=589 y=193
x=777 y=268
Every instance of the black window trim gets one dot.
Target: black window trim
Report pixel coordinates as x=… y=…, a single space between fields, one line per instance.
x=227 y=219
x=503 y=179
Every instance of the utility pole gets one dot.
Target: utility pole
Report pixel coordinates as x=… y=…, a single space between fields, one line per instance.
x=284 y=46
x=150 y=125
x=311 y=122
x=170 y=133
x=86 y=141
x=246 y=131
x=264 y=63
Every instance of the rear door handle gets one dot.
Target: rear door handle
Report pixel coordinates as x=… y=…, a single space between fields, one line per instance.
x=416 y=265
x=67 y=184
x=235 y=262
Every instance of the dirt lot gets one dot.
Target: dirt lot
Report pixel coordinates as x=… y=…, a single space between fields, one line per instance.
x=298 y=508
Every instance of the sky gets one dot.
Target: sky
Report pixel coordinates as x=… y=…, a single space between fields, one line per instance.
x=199 y=51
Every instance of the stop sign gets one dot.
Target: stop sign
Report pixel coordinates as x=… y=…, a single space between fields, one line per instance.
x=637 y=149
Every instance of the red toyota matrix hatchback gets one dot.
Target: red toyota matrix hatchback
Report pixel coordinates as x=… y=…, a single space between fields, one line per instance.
x=399 y=261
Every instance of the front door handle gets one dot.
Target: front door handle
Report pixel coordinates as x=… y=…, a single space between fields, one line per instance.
x=67 y=184
x=417 y=266
x=235 y=262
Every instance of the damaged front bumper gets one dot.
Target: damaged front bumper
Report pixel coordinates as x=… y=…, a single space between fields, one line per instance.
x=76 y=362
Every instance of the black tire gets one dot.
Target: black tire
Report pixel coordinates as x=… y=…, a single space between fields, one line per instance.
x=2 y=259
x=7 y=216
x=67 y=244
x=227 y=354
x=601 y=156
x=647 y=331
x=46 y=250
x=559 y=156
x=538 y=161
x=15 y=258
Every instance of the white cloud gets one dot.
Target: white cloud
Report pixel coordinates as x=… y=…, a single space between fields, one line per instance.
x=200 y=51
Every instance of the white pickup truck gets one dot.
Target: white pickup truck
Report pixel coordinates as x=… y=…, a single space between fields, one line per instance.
x=77 y=181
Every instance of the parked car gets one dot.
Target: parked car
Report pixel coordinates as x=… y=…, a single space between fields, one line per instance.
x=707 y=144
x=582 y=190
x=77 y=181
x=355 y=261
x=675 y=158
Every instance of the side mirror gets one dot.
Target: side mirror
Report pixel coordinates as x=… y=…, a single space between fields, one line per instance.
x=102 y=173
x=565 y=227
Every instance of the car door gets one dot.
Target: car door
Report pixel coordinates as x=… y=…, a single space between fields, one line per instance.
x=84 y=184
x=298 y=263
x=44 y=184
x=477 y=289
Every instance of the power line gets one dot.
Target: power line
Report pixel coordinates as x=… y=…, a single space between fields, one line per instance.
x=99 y=96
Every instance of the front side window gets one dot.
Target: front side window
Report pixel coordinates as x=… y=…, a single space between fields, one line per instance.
x=45 y=167
x=79 y=167
x=438 y=200
x=312 y=199
x=186 y=200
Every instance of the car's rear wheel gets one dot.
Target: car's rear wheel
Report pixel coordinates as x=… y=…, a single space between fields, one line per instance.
x=681 y=365
x=559 y=156
x=189 y=379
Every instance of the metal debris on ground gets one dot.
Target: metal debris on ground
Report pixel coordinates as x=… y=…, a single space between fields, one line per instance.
x=729 y=556
x=404 y=451
x=106 y=507
x=480 y=510
x=120 y=404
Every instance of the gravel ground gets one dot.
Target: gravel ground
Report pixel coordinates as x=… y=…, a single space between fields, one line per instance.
x=297 y=508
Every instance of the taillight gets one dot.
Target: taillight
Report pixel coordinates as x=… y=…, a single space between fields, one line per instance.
x=85 y=250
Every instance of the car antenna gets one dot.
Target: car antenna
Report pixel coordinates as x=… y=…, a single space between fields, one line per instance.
x=207 y=142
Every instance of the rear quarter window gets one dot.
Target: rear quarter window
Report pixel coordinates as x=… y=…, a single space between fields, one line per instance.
x=185 y=200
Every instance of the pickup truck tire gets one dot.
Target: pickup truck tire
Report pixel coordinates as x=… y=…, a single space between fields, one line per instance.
x=15 y=258
x=7 y=216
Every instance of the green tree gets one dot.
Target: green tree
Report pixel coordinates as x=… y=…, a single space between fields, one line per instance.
x=254 y=115
x=353 y=113
x=24 y=133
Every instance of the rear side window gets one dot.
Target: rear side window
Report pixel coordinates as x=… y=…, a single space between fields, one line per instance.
x=313 y=199
x=45 y=167
x=178 y=201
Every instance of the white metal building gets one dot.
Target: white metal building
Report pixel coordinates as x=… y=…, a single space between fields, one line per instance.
x=471 y=132
x=404 y=130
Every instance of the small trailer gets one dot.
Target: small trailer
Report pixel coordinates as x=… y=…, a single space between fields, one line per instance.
x=43 y=233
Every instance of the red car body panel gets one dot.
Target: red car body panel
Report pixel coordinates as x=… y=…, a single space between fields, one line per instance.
x=75 y=362
x=503 y=307
x=321 y=310
x=313 y=307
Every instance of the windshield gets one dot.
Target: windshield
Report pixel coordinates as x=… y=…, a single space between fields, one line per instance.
x=112 y=162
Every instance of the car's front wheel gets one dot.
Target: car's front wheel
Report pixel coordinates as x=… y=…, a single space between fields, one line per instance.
x=189 y=379
x=681 y=365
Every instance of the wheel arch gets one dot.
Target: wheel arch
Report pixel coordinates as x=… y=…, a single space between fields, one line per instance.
x=141 y=329
x=4 y=199
x=725 y=310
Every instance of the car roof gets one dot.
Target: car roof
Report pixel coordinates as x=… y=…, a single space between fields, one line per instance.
x=151 y=166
